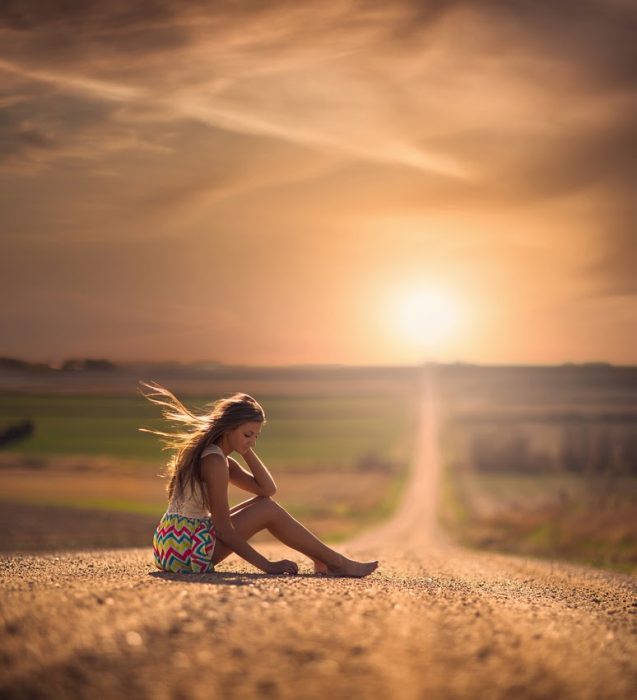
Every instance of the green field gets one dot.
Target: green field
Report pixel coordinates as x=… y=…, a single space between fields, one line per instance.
x=299 y=433
x=340 y=463
x=561 y=516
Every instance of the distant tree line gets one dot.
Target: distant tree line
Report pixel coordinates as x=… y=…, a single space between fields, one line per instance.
x=87 y=365
x=12 y=364
x=582 y=448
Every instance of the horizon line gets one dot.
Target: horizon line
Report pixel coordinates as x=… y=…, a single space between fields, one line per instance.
x=306 y=365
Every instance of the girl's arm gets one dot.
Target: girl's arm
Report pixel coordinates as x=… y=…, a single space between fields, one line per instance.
x=260 y=472
x=214 y=471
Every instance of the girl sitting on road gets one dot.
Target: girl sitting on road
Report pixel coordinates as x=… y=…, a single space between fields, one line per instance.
x=186 y=540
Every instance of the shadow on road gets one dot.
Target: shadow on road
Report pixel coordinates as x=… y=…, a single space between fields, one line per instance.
x=223 y=578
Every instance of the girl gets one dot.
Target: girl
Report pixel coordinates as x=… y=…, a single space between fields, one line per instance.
x=186 y=540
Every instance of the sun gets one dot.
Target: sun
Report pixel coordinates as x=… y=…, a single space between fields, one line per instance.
x=426 y=317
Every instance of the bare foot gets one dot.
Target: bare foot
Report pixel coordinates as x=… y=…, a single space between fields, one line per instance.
x=349 y=567
x=319 y=567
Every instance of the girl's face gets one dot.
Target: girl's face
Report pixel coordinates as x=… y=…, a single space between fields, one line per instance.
x=245 y=436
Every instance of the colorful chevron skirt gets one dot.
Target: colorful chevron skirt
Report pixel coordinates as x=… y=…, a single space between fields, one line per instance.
x=184 y=545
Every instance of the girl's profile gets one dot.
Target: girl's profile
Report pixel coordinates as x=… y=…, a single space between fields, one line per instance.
x=199 y=529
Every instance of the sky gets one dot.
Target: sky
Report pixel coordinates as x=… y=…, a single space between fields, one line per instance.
x=319 y=182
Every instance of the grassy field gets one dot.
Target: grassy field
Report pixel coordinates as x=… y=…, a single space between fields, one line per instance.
x=299 y=433
x=537 y=460
x=559 y=517
x=543 y=462
x=339 y=462
x=335 y=504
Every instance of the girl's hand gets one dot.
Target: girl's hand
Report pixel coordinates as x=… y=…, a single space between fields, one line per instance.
x=285 y=566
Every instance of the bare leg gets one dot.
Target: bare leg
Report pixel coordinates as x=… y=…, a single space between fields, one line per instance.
x=319 y=566
x=243 y=504
x=289 y=530
x=265 y=513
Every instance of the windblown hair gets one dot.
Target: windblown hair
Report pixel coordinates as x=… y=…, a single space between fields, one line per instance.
x=198 y=431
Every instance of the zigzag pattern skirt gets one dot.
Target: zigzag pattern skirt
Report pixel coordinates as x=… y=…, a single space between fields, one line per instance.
x=184 y=545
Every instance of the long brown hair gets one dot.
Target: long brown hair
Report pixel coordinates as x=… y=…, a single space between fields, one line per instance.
x=197 y=432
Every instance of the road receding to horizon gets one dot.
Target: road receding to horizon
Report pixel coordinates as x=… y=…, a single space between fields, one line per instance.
x=434 y=621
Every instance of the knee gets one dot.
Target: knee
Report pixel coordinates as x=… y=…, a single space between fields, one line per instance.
x=269 y=504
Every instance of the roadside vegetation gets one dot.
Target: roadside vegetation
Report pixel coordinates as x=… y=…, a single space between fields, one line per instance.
x=549 y=472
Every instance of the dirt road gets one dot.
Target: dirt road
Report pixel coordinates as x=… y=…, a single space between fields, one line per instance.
x=432 y=622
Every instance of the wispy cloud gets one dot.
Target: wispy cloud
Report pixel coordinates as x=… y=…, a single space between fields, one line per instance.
x=195 y=119
x=392 y=83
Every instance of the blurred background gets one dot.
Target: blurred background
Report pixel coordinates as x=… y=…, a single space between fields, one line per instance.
x=313 y=203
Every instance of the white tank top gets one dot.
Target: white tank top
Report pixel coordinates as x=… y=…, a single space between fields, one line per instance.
x=188 y=504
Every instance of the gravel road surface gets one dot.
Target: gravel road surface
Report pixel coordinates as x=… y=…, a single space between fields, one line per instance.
x=433 y=621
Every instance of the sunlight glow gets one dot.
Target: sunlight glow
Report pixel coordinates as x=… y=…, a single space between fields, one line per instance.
x=426 y=317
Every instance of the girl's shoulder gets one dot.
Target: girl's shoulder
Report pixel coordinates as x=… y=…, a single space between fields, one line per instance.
x=212 y=449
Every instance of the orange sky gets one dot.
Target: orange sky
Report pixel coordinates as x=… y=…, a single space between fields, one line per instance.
x=277 y=183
